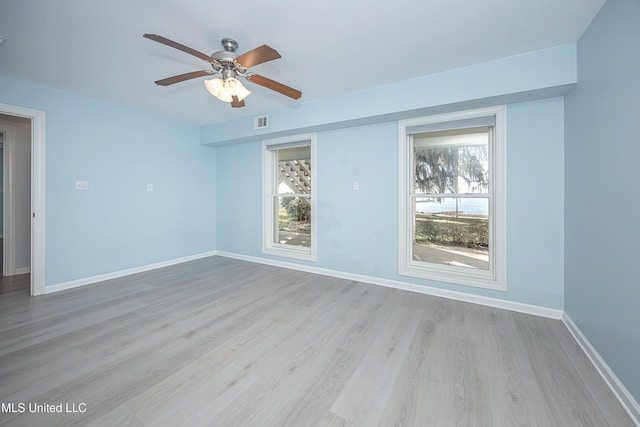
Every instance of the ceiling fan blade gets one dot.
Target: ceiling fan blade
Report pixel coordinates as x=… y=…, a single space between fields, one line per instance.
x=182 y=77
x=178 y=46
x=257 y=56
x=274 y=85
x=236 y=103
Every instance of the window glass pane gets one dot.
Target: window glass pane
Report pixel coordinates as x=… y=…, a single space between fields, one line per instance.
x=294 y=174
x=452 y=231
x=293 y=221
x=451 y=162
x=293 y=216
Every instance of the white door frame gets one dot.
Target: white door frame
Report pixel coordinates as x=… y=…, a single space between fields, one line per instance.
x=8 y=226
x=37 y=191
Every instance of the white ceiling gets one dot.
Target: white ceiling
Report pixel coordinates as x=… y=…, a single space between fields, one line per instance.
x=328 y=47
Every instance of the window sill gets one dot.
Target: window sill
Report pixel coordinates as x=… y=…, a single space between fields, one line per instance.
x=449 y=274
x=290 y=252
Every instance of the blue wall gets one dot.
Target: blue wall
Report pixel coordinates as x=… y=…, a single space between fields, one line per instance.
x=357 y=230
x=117 y=224
x=602 y=149
x=239 y=197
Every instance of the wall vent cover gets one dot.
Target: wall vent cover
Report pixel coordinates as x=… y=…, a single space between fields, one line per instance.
x=260 y=122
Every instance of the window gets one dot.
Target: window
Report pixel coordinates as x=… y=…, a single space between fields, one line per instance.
x=452 y=216
x=289 y=197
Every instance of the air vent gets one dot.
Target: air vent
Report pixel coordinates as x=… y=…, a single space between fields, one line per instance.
x=260 y=122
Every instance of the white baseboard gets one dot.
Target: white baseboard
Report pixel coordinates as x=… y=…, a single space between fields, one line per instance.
x=108 y=276
x=458 y=296
x=24 y=270
x=619 y=390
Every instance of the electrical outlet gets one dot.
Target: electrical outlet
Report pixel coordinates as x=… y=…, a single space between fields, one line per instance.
x=82 y=185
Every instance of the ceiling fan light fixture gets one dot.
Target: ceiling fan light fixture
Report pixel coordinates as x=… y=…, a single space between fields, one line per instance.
x=214 y=85
x=216 y=88
x=224 y=96
x=225 y=90
x=233 y=86
x=243 y=93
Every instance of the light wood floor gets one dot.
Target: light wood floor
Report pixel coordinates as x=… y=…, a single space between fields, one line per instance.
x=222 y=342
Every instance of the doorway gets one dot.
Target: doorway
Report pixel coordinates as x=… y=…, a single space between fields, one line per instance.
x=30 y=220
x=16 y=195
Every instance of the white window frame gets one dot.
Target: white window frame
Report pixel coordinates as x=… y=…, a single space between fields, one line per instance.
x=496 y=276
x=269 y=191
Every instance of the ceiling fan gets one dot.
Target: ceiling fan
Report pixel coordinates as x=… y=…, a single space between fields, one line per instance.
x=229 y=65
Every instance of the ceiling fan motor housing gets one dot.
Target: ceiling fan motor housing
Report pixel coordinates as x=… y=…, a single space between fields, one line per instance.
x=224 y=57
x=227 y=57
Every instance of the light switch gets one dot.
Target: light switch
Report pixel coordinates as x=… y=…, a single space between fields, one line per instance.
x=356 y=185
x=149 y=187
